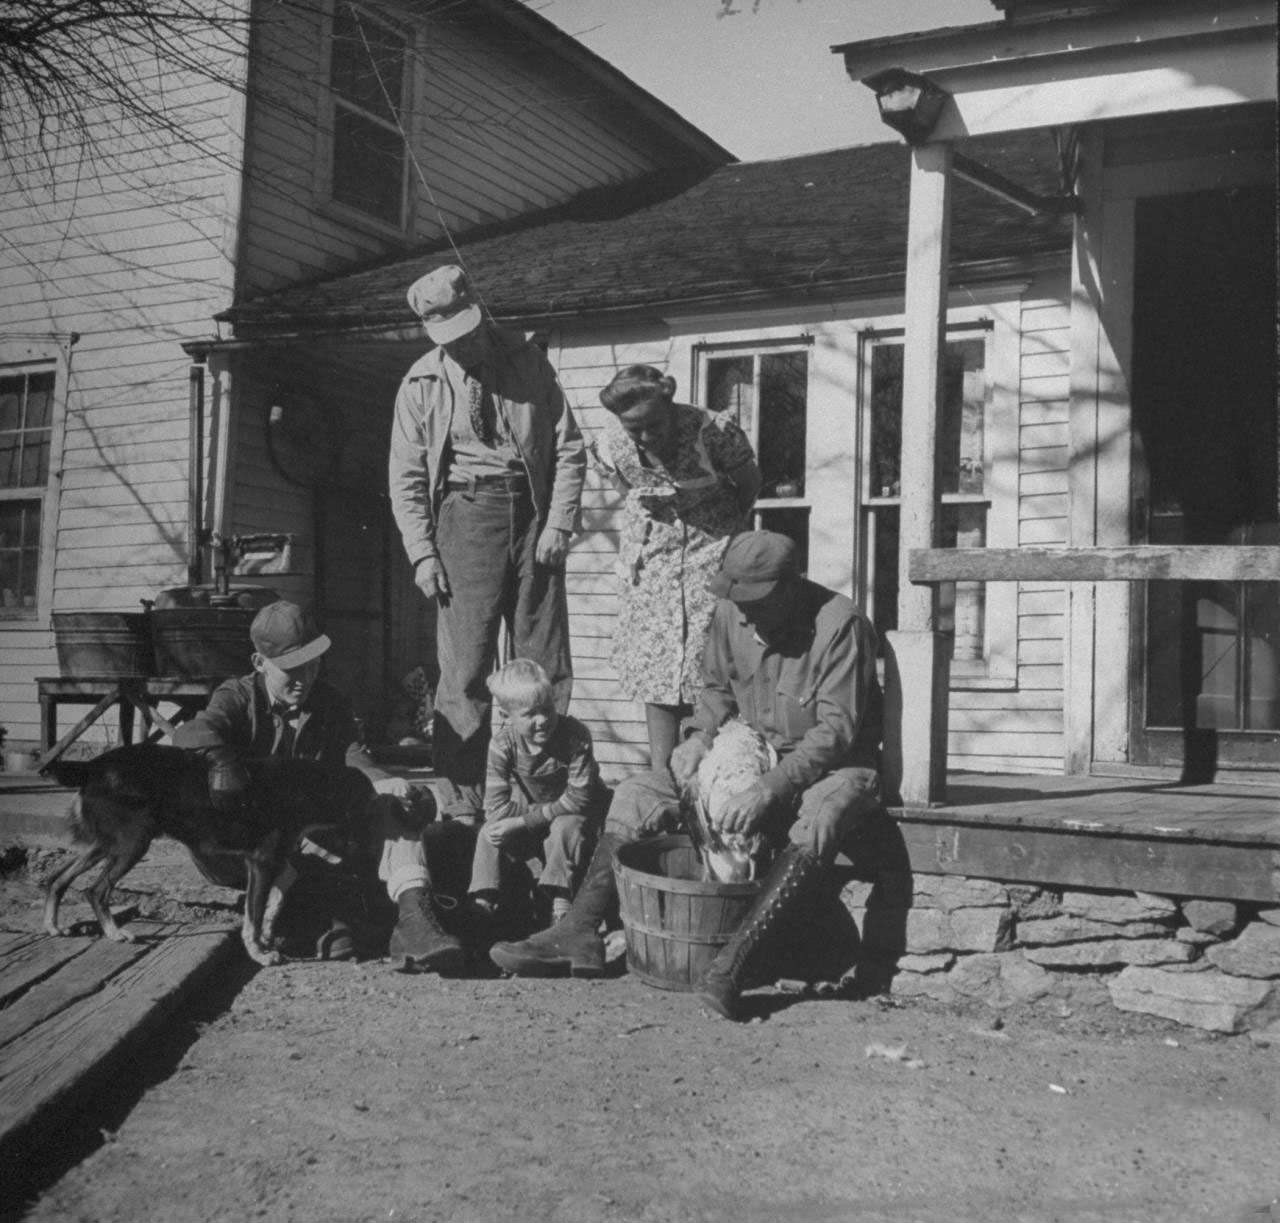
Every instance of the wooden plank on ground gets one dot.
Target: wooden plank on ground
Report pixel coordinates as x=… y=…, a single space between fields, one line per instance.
x=54 y=1069
x=30 y=962
x=11 y=940
x=75 y=978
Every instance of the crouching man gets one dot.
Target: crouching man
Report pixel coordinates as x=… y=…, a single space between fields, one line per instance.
x=284 y=708
x=796 y=662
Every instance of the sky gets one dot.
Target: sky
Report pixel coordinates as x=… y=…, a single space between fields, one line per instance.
x=761 y=80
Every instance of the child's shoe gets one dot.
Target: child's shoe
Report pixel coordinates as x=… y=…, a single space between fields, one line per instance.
x=482 y=905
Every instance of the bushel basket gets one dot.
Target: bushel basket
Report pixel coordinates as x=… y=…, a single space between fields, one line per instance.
x=674 y=920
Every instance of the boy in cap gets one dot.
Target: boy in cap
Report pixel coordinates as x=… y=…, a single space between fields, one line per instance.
x=486 y=474
x=796 y=662
x=284 y=708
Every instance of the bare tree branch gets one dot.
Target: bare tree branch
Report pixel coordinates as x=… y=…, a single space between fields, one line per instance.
x=66 y=63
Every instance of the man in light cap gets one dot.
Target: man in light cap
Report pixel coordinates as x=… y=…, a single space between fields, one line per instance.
x=284 y=708
x=796 y=662
x=486 y=474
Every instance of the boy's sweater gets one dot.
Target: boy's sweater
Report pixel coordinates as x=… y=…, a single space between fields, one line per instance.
x=561 y=778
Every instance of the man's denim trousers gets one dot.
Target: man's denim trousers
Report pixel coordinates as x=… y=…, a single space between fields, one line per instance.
x=487 y=536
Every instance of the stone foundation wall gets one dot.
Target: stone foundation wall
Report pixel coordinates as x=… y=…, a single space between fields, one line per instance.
x=1206 y=963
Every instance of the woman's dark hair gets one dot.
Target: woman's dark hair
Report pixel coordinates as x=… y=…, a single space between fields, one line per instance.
x=637 y=384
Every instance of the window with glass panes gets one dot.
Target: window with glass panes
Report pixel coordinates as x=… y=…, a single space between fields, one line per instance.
x=963 y=481
x=26 y=432
x=367 y=74
x=766 y=390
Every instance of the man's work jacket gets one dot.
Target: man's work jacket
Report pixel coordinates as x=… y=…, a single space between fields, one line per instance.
x=541 y=425
x=239 y=723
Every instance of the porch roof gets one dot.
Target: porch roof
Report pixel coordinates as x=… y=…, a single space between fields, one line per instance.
x=1072 y=64
x=798 y=229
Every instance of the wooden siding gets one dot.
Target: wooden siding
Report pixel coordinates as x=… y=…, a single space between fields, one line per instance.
x=496 y=129
x=585 y=363
x=1018 y=727
x=122 y=246
x=1029 y=737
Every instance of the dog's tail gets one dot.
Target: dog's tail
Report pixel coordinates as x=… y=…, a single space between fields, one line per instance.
x=80 y=832
x=70 y=773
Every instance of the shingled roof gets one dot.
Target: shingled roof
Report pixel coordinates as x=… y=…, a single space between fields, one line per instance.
x=798 y=228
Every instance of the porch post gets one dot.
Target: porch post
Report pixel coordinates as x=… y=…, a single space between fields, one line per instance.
x=918 y=656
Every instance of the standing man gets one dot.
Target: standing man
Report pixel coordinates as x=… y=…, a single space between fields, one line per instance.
x=486 y=474
x=796 y=662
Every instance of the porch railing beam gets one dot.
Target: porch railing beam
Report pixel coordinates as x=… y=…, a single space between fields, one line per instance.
x=1136 y=563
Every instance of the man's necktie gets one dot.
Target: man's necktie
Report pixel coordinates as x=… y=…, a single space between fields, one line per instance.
x=479 y=424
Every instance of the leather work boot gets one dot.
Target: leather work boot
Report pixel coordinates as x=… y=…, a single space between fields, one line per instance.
x=419 y=943
x=336 y=943
x=573 y=946
x=787 y=883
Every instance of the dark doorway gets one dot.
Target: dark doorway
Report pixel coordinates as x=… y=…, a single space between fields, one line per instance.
x=1204 y=404
x=382 y=627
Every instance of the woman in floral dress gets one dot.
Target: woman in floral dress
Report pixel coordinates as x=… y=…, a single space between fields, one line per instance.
x=690 y=479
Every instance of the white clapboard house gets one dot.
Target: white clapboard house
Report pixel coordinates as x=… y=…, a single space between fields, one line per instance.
x=1012 y=384
x=1011 y=381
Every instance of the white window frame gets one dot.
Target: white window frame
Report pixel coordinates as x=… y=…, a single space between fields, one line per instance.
x=326 y=129
x=999 y=328
x=704 y=352
x=25 y=356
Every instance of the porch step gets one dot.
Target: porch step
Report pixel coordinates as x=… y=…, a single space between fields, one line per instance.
x=1219 y=841
x=32 y=808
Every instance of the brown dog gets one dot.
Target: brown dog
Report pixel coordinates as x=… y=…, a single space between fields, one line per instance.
x=129 y=796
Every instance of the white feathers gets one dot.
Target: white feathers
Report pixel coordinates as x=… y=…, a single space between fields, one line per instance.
x=737 y=759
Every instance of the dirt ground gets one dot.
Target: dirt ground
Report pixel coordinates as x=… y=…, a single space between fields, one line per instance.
x=348 y=1092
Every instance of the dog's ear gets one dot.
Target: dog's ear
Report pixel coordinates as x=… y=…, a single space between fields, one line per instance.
x=73 y=773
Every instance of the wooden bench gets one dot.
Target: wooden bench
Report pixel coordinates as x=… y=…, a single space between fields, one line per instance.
x=140 y=694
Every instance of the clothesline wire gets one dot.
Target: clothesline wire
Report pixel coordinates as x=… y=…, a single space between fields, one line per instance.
x=394 y=107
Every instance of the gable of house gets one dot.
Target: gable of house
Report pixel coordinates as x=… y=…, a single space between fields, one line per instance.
x=494 y=112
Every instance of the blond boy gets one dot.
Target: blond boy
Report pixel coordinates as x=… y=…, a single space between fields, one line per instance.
x=542 y=790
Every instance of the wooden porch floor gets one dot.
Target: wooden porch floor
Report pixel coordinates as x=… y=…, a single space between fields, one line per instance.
x=1129 y=834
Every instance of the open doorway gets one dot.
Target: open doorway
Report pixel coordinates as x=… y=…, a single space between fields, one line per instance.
x=1206 y=466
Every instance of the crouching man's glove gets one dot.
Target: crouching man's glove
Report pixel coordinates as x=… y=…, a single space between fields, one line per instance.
x=228 y=786
x=413 y=806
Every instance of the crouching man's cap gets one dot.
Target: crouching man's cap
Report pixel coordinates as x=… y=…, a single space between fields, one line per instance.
x=754 y=563
x=442 y=299
x=286 y=634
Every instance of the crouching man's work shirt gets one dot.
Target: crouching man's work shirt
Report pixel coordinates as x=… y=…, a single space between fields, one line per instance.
x=811 y=690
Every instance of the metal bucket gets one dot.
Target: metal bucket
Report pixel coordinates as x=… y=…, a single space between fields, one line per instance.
x=115 y=644
x=675 y=922
x=202 y=642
